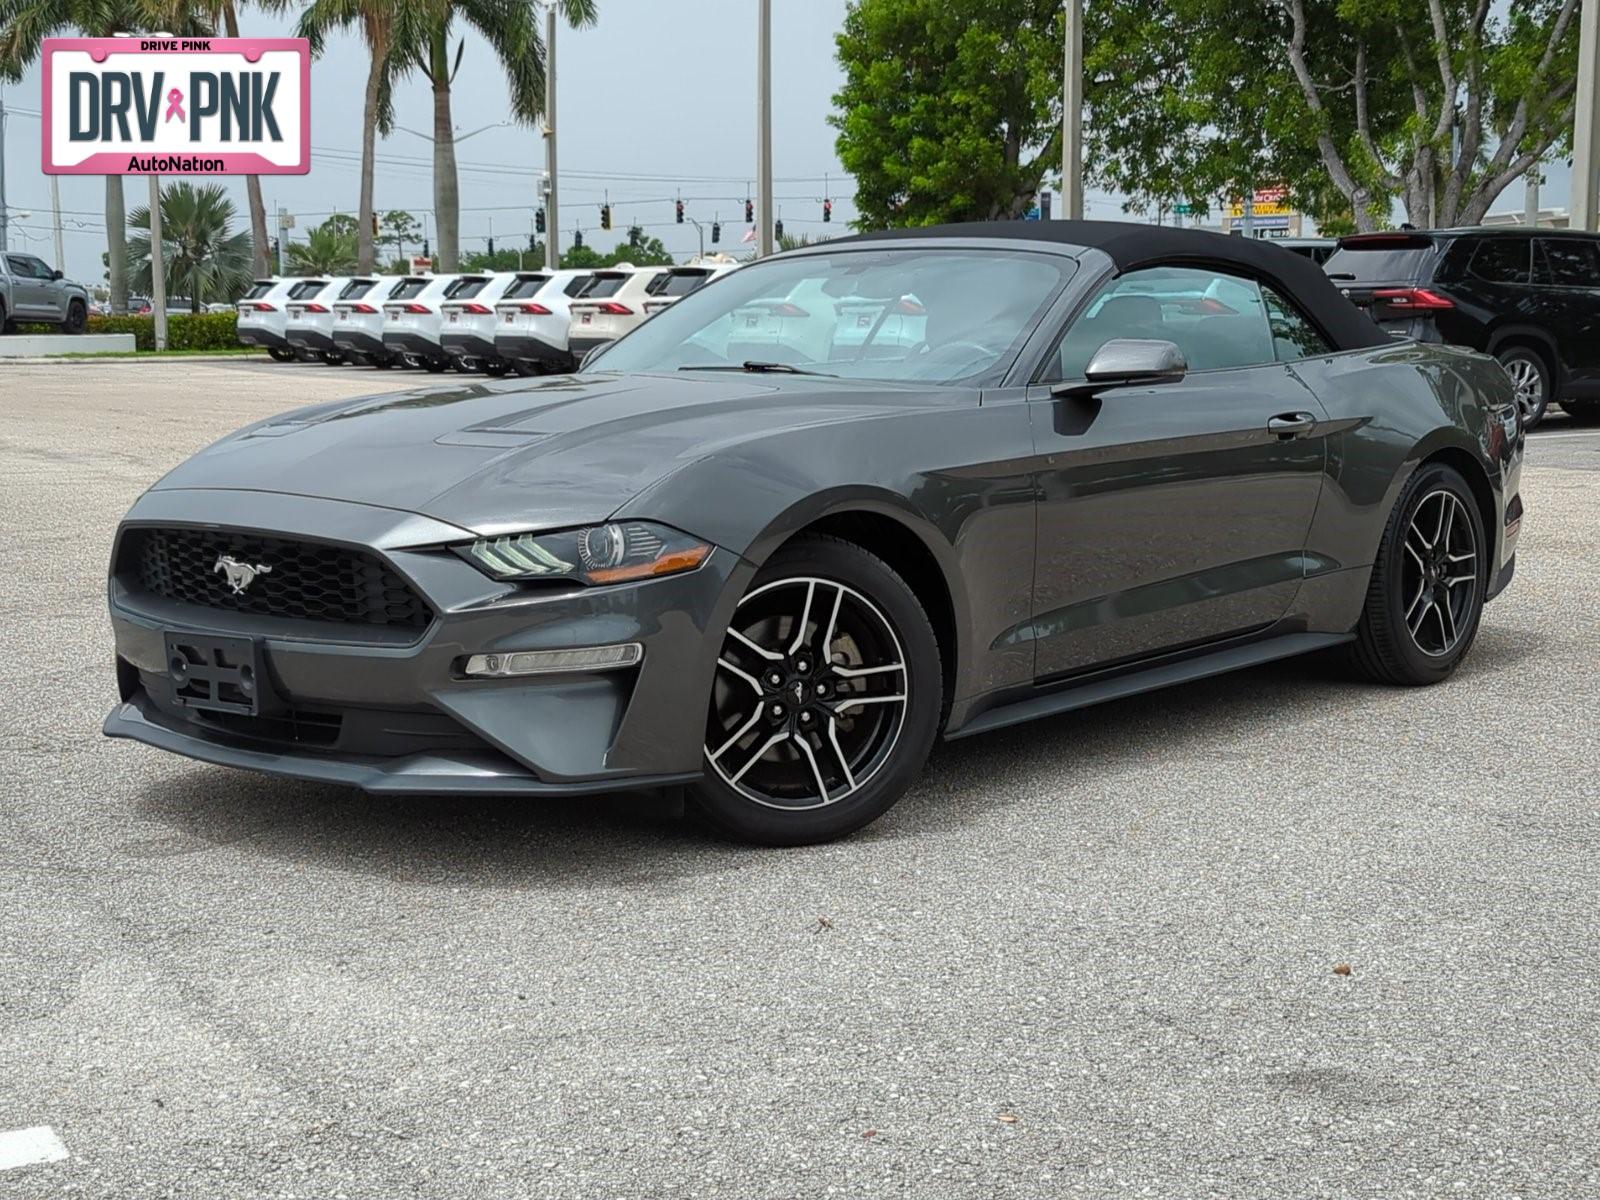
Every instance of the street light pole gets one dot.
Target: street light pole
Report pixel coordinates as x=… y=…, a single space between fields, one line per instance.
x=55 y=212
x=552 y=213
x=158 y=266
x=1586 y=124
x=3 y=245
x=764 y=129
x=1072 y=112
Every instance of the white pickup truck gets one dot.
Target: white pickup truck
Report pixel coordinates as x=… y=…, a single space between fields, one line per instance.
x=32 y=291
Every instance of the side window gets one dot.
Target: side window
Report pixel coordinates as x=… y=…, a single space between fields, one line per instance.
x=1218 y=320
x=1567 y=262
x=575 y=288
x=1501 y=260
x=1293 y=336
x=28 y=267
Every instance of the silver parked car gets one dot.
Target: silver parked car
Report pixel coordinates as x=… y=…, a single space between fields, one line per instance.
x=33 y=291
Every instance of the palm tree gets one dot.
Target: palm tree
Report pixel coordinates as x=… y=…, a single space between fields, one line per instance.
x=24 y=24
x=512 y=30
x=327 y=250
x=381 y=22
x=204 y=258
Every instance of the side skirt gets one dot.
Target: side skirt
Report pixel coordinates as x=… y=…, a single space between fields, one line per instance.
x=1149 y=679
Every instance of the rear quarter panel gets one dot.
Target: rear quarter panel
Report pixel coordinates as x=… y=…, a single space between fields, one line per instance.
x=1391 y=408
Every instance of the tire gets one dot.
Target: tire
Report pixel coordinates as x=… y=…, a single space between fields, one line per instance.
x=525 y=368
x=1408 y=573
x=77 y=318
x=1531 y=376
x=279 y=354
x=380 y=361
x=770 y=776
x=306 y=356
x=332 y=358
x=1582 y=412
x=7 y=325
x=435 y=366
x=496 y=367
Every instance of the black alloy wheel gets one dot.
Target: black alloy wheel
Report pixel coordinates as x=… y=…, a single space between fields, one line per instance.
x=826 y=698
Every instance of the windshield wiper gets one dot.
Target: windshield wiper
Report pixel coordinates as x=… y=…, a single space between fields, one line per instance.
x=757 y=367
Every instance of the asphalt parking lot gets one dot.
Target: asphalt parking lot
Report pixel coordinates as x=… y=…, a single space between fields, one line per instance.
x=1089 y=956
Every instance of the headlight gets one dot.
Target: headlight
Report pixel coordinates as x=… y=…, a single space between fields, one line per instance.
x=600 y=554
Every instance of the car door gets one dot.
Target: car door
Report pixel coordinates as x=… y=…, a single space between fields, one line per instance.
x=1566 y=270
x=30 y=287
x=1173 y=514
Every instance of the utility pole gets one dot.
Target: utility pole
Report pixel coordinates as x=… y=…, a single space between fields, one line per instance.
x=764 y=129
x=1586 y=124
x=3 y=244
x=552 y=212
x=158 y=266
x=1072 y=113
x=55 y=211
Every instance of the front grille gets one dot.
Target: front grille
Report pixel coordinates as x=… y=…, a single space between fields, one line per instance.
x=307 y=581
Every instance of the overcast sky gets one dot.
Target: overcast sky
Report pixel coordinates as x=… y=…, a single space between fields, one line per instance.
x=658 y=96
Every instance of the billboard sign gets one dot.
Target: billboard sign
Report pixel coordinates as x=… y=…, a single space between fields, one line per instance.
x=177 y=106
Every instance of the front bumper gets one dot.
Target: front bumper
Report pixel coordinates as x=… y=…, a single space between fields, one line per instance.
x=467 y=345
x=404 y=718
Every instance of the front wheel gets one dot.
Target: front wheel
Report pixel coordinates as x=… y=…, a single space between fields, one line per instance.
x=77 y=318
x=826 y=698
x=1530 y=379
x=1428 y=583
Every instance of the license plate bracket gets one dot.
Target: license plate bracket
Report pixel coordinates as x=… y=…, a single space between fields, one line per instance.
x=214 y=673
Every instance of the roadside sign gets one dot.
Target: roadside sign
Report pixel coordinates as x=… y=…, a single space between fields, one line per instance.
x=421 y=266
x=1032 y=214
x=177 y=106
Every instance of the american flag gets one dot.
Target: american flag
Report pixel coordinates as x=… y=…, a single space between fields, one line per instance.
x=749 y=235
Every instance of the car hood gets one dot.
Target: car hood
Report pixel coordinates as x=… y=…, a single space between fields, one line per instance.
x=502 y=455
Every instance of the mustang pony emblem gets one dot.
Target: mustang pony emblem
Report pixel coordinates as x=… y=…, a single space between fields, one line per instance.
x=240 y=575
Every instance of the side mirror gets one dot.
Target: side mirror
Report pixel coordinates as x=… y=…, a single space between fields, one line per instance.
x=56 y=275
x=1128 y=362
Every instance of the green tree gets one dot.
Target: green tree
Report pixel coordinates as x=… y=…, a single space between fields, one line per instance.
x=24 y=24
x=400 y=227
x=950 y=109
x=203 y=258
x=1355 y=104
x=512 y=29
x=329 y=249
x=388 y=27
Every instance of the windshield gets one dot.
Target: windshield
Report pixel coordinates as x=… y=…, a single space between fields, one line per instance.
x=934 y=315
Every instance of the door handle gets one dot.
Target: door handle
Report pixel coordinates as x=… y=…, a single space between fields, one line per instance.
x=1292 y=425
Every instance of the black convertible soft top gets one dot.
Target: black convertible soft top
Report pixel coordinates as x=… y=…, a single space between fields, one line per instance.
x=1131 y=246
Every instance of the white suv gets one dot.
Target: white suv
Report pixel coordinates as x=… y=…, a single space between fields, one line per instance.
x=411 y=320
x=612 y=305
x=309 y=326
x=533 y=319
x=673 y=284
x=467 y=331
x=358 y=320
x=262 y=317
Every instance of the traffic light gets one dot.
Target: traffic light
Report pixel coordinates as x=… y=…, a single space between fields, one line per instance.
x=605 y=216
x=777 y=230
x=827 y=211
x=538 y=219
x=716 y=232
x=577 y=239
x=426 y=253
x=533 y=243
x=680 y=212
x=491 y=247
x=749 y=212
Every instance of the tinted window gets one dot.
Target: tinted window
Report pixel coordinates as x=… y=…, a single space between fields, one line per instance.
x=357 y=288
x=409 y=289
x=308 y=289
x=258 y=289
x=1378 y=264
x=676 y=283
x=601 y=286
x=1568 y=262
x=1217 y=320
x=28 y=267
x=1502 y=260
x=1292 y=335
x=975 y=311
x=523 y=289
x=465 y=289
x=576 y=285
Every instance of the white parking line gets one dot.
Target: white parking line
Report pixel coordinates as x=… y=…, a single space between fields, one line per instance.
x=1562 y=435
x=21 y=1147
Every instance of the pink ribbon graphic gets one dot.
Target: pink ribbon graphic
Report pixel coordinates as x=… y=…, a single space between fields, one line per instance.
x=175 y=105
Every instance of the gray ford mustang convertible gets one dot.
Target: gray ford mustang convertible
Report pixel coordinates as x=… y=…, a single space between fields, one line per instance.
x=835 y=505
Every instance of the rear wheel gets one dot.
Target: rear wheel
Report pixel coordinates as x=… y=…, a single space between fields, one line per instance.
x=1428 y=583
x=435 y=365
x=826 y=698
x=525 y=368
x=1583 y=412
x=333 y=358
x=279 y=354
x=1530 y=378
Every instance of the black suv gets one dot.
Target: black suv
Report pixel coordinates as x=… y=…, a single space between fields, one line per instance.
x=1529 y=297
